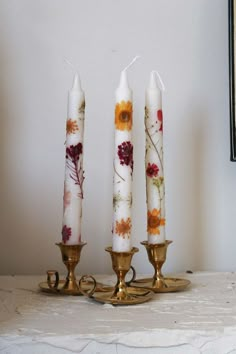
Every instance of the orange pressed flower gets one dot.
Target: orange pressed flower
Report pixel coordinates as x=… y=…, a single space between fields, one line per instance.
x=123 y=115
x=123 y=227
x=71 y=126
x=154 y=222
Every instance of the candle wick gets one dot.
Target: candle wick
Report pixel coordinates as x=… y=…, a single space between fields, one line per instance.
x=161 y=86
x=131 y=63
x=68 y=62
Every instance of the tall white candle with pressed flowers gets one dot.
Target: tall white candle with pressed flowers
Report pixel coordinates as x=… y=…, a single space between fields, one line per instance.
x=74 y=175
x=155 y=186
x=123 y=167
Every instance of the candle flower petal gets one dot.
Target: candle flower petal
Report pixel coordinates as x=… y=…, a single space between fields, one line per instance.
x=152 y=170
x=82 y=107
x=66 y=233
x=125 y=153
x=123 y=228
x=160 y=119
x=71 y=126
x=66 y=198
x=73 y=153
x=154 y=221
x=123 y=115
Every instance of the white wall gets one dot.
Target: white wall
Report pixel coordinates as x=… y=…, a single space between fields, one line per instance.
x=187 y=41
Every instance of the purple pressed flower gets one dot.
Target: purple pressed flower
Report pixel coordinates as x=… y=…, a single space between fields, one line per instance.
x=74 y=151
x=125 y=153
x=66 y=233
x=74 y=164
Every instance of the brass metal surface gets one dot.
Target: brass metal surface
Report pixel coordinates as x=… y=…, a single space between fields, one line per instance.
x=158 y=283
x=83 y=284
x=134 y=296
x=121 y=293
x=70 y=257
x=171 y=284
x=121 y=262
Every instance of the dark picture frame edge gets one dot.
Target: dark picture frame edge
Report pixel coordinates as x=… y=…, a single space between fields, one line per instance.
x=232 y=81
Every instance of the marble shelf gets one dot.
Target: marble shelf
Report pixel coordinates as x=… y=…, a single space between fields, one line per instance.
x=201 y=319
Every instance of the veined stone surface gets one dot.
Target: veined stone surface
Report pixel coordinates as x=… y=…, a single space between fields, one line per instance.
x=201 y=319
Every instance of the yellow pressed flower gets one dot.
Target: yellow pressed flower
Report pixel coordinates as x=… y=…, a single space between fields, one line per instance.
x=123 y=115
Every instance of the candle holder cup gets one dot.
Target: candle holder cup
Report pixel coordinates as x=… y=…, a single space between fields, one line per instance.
x=122 y=293
x=70 y=257
x=158 y=283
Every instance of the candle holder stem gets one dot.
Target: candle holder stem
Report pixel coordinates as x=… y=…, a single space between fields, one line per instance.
x=70 y=257
x=158 y=279
x=121 y=262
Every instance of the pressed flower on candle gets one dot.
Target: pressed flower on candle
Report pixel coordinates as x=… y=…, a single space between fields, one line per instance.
x=123 y=227
x=71 y=126
x=155 y=222
x=155 y=187
x=125 y=153
x=124 y=115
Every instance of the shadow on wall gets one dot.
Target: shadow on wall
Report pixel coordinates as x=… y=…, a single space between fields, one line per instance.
x=199 y=118
x=186 y=197
x=10 y=211
x=24 y=220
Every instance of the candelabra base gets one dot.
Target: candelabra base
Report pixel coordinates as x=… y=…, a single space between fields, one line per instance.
x=158 y=283
x=122 y=293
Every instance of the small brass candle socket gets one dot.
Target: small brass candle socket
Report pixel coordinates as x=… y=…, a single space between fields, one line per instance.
x=121 y=263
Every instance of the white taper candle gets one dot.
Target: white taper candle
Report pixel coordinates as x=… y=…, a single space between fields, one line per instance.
x=123 y=165
x=74 y=177
x=155 y=187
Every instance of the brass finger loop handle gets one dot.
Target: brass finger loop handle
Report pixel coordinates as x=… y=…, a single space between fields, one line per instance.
x=90 y=292
x=133 y=276
x=53 y=284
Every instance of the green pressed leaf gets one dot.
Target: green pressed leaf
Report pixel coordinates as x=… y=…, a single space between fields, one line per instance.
x=158 y=181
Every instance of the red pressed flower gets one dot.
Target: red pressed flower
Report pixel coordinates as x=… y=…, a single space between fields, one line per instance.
x=160 y=118
x=152 y=170
x=74 y=151
x=66 y=233
x=125 y=153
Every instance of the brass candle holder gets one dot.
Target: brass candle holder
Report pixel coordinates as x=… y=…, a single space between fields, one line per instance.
x=158 y=283
x=70 y=257
x=122 y=293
